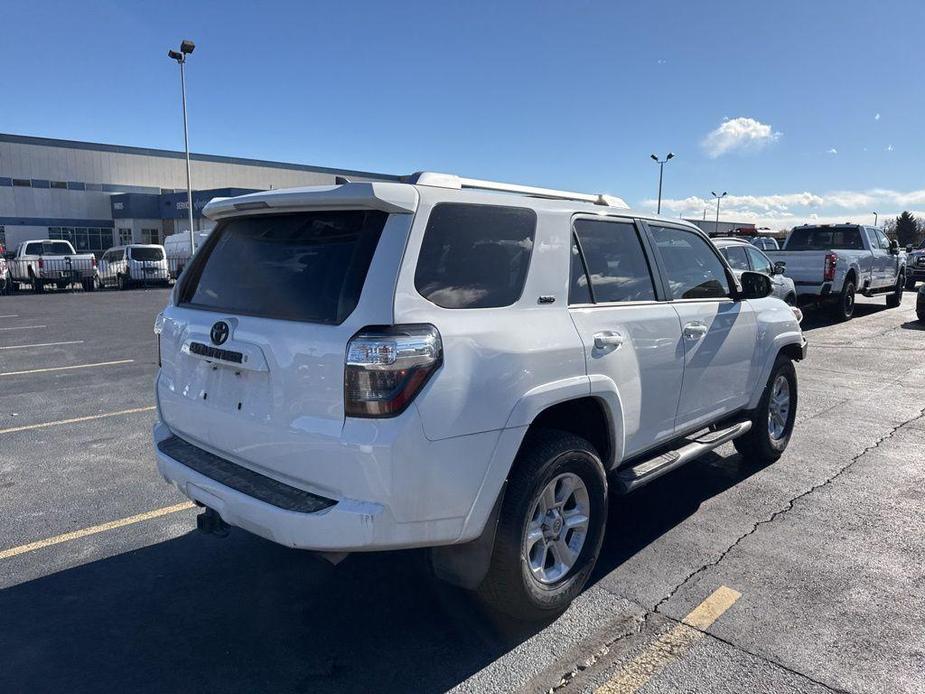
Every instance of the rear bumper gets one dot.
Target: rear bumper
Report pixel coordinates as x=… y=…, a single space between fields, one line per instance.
x=433 y=501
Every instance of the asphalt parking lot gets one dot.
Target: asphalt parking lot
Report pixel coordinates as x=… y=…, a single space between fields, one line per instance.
x=804 y=576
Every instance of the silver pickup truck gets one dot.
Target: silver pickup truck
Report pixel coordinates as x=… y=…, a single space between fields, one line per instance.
x=831 y=263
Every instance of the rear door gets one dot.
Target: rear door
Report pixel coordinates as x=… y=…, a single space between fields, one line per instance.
x=630 y=336
x=718 y=334
x=880 y=264
x=253 y=352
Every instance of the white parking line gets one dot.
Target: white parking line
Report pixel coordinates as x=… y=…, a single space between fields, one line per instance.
x=75 y=420
x=10 y=315
x=25 y=327
x=66 y=368
x=44 y=344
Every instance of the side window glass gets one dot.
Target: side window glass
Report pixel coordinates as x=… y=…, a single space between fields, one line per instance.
x=692 y=268
x=884 y=241
x=616 y=263
x=872 y=238
x=475 y=256
x=736 y=257
x=579 y=290
x=760 y=262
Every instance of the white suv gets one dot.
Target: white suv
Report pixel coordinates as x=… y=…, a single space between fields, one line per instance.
x=461 y=365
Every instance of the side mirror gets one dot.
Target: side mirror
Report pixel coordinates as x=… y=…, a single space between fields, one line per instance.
x=755 y=285
x=908 y=248
x=780 y=267
x=894 y=246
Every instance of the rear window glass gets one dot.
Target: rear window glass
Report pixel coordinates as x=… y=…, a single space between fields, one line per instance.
x=475 y=256
x=736 y=257
x=147 y=254
x=306 y=266
x=824 y=238
x=49 y=248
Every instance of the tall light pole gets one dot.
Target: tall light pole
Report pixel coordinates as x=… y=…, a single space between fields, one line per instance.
x=718 y=198
x=186 y=47
x=661 y=167
x=875 y=219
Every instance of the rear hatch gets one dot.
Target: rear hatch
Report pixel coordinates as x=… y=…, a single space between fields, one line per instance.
x=253 y=350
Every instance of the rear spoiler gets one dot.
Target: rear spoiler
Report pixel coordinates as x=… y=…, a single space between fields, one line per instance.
x=396 y=198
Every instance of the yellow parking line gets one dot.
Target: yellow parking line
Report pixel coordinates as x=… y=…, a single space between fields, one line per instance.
x=671 y=645
x=45 y=344
x=67 y=368
x=75 y=420
x=94 y=529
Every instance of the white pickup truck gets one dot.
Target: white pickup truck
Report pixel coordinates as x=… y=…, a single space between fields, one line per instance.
x=832 y=263
x=43 y=262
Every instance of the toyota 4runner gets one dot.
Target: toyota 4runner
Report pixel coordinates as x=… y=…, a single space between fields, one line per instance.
x=463 y=365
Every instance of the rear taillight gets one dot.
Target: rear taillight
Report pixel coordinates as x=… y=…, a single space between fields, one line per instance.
x=387 y=366
x=828 y=274
x=93 y=261
x=41 y=263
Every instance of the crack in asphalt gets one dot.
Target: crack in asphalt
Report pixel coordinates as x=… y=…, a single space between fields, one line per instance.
x=789 y=506
x=766 y=659
x=566 y=678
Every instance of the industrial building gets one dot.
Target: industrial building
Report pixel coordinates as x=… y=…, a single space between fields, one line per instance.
x=101 y=195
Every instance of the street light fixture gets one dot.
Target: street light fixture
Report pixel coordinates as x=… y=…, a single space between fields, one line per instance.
x=875 y=219
x=186 y=47
x=661 y=167
x=718 y=198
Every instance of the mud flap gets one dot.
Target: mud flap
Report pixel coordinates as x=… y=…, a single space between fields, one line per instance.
x=466 y=565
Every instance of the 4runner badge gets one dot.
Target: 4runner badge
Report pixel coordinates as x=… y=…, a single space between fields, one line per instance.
x=219 y=332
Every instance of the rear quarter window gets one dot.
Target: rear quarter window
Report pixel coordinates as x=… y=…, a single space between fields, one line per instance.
x=305 y=266
x=475 y=256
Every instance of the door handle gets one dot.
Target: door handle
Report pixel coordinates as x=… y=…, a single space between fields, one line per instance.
x=606 y=339
x=694 y=331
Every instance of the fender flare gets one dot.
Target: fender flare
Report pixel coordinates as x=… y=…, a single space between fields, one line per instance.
x=781 y=341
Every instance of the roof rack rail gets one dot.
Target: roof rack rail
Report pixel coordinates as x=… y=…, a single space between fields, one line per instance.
x=441 y=180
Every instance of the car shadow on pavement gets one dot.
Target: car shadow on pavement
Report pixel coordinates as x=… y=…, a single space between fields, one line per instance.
x=640 y=518
x=819 y=317
x=242 y=614
x=914 y=325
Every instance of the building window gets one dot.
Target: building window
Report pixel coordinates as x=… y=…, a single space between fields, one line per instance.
x=84 y=239
x=125 y=236
x=22 y=182
x=59 y=184
x=40 y=183
x=76 y=185
x=2 y=237
x=150 y=236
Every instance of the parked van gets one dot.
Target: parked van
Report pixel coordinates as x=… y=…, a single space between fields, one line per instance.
x=178 y=250
x=124 y=266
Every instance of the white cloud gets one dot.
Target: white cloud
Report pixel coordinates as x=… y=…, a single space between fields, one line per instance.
x=876 y=116
x=738 y=134
x=831 y=151
x=785 y=210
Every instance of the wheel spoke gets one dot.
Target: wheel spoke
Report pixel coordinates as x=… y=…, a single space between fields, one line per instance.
x=548 y=498
x=563 y=553
x=566 y=487
x=534 y=535
x=576 y=520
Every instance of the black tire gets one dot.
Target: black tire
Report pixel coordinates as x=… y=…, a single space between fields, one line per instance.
x=894 y=299
x=843 y=308
x=122 y=282
x=509 y=586
x=38 y=286
x=910 y=284
x=791 y=299
x=758 y=445
x=89 y=284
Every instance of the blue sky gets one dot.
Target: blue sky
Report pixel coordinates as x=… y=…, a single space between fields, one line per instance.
x=815 y=107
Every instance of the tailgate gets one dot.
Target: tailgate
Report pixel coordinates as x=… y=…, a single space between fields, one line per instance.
x=802 y=266
x=252 y=355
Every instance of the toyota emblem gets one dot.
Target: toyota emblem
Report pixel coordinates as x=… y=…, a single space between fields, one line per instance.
x=219 y=332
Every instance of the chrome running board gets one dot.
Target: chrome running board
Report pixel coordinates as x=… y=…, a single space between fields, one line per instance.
x=693 y=446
